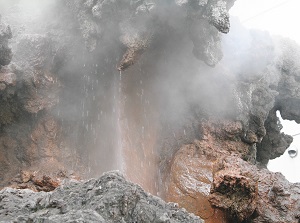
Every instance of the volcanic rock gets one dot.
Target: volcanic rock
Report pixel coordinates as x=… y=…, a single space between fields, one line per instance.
x=211 y=179
x=255 y=195
x=5 y=51
x=107 y=199
x=194 y=166
x=138 y=26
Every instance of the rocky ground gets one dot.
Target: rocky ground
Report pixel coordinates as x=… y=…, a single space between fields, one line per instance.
x=107 y=199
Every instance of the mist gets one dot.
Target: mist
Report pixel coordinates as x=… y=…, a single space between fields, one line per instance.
x=132 y=119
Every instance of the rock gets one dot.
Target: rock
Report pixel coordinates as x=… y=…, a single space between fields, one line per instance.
x=108 y=199
x=5 y=51
x=25 y=176
x=218 y=15
x=41 y=180
x=8 y=78
x=269 y=196
x=208 y=17
x=200 y=31
x=212 y=172
x=193 y=168
x=274 y=143
x=235 y=193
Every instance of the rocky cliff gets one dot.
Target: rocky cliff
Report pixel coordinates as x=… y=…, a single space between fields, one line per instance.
x=152 y=88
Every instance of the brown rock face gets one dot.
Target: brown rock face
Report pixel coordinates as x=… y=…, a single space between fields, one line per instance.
x=211 y=179
x=265 y=193
x=194 y=166
x=31 y=181
x=189 y=183
x=235 y=193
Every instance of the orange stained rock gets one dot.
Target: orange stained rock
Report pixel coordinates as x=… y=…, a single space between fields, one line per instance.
x=189 y=184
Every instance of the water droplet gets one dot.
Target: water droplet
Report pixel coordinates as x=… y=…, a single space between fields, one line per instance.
x=293 y=152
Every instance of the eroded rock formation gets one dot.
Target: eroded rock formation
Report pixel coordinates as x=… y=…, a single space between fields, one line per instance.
x=213 y=172
x=254 y=195
x=226 y=150
x=138 y=23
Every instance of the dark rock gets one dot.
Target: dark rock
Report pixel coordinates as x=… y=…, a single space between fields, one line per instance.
x=5 y=51
x=218 y=15
x=107 y=199
x=138 y=23
x=274 y=143
x=200 y=31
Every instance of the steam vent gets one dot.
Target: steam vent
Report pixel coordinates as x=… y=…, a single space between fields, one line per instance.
x=137 y=111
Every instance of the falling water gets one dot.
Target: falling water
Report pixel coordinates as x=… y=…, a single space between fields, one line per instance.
x=120 y=161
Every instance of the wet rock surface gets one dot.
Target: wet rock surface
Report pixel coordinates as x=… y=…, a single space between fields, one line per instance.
x=211 y=179
x=107 y=199
x=193 y=168
x=35 y=129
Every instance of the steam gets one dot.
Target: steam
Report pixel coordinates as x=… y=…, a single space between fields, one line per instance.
x=104 y=112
